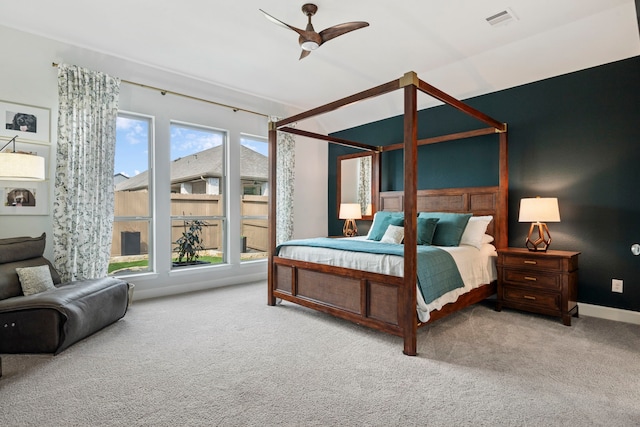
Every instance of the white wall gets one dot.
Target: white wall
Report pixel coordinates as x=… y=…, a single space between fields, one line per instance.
x=27 y=77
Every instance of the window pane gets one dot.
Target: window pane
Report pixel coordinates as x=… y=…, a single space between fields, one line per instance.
x=130 y=248
x=255 y=238
x=131 y=168
x=197 y=155
x=254 y=176
x=197 y=241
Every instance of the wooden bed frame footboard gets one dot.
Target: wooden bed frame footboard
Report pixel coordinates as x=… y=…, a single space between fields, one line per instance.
x=370 y=299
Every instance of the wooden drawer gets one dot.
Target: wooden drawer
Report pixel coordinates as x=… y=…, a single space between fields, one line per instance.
x=510 y=260
x=533 y=278
x=543 y=300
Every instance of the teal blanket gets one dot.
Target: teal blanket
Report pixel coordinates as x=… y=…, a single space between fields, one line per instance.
x=437 y=271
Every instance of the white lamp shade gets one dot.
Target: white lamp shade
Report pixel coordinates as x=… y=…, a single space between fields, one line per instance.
x=21 y=167
x=350 y=211
x=539 y=209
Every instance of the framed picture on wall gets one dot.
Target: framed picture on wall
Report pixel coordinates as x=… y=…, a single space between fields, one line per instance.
x=27 y=122
x=24 y=197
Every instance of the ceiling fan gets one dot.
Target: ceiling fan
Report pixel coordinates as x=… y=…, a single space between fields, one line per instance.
x=311 y=40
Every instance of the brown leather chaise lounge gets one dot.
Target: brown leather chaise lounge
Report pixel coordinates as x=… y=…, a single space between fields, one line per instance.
x=52 y=320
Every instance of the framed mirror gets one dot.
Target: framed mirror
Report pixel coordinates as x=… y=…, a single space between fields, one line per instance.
x=358 y=182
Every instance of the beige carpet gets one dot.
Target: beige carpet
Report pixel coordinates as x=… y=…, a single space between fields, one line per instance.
x=223 y=357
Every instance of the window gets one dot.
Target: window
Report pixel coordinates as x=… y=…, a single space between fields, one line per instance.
x=254 y=176
x=131 y=247
x=198 y=222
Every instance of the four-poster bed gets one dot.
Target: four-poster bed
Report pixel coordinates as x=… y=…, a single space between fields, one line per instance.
x=381 y=301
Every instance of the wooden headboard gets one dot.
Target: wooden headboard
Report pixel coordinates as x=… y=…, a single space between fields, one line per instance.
x=475 y=200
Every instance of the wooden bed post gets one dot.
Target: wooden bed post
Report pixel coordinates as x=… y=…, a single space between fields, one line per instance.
x=408 y=314
x=503 y=197
x=273 y=145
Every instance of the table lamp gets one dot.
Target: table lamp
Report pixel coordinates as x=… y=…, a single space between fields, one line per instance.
x=350 y=212
x=538 y=211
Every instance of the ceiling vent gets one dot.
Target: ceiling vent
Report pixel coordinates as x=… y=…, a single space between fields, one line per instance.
x=502 y=18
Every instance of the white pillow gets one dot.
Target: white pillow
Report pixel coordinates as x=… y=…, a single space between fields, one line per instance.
x=35 y=279
x=488 y=249
x=487 y=238
x=475 y=230
x=394 y=234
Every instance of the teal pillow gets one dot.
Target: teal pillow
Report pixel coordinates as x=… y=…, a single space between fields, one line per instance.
x=449 y=228
x=426 y=229
x=381 y=221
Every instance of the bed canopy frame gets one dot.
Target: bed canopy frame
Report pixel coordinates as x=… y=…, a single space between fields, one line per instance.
x=382 y=302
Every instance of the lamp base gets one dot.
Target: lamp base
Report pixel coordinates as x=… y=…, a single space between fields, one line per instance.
x=541 y=244
x=350 y=229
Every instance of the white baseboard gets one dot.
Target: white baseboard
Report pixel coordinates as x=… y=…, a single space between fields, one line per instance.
x=609 y=313
x=197 y=286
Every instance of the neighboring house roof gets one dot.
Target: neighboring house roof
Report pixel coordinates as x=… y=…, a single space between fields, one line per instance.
x=119 y=177
x=207 y=163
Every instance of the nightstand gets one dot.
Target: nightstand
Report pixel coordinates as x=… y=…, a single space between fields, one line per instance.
x=539 y=282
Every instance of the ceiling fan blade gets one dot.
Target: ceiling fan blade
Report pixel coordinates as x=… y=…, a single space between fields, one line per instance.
x=340 y=29
x=304 y=54
x=282 y=24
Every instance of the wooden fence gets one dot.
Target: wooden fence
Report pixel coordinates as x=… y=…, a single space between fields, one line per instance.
x=132 y=237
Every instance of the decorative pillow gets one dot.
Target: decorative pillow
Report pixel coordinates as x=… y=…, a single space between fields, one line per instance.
x=475 y=230
x=449 y=228
x=35 y=279
x=394 y=234
x=426 y=229
x=381 y=220
x=486 y=238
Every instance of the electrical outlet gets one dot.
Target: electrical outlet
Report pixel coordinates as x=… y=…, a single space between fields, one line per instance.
x=616 y=285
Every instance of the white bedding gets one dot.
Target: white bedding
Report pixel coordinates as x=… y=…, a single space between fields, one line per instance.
x=476 y=266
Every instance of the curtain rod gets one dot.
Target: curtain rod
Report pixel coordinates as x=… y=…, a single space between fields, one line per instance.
x=195 y=98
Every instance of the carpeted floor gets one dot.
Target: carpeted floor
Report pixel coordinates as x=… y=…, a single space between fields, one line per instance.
x=223 y=357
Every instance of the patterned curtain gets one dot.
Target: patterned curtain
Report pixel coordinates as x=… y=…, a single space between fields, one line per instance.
x=285 y=179
x=364 y=184
x=83 y=195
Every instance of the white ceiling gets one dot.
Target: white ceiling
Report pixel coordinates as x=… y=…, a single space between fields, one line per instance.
x=447 y=43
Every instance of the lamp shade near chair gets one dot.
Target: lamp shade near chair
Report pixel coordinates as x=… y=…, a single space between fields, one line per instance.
x=350 y=212
x=16 y=166
x=538 y=211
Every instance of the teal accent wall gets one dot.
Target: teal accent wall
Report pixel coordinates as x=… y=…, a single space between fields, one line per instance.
x=575 y=137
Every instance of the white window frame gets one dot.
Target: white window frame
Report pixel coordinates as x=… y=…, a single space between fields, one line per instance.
x=150 y=218
x=224 y=191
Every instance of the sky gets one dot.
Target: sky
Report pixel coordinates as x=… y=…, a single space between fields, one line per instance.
x=132 y=136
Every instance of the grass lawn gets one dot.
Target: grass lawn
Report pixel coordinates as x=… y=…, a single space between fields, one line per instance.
x=117 y=266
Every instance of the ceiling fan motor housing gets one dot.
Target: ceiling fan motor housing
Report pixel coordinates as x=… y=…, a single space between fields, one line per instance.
x=309 y=9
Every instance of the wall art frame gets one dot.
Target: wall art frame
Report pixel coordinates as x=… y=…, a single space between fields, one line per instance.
x=24 y=197
x=27 y=122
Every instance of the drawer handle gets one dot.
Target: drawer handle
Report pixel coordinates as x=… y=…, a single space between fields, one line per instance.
x=533 y=279
x=529 y=297
x=530 y=262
